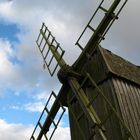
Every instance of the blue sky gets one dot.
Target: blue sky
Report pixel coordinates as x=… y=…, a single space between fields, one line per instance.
x=9 y=31
x=24 y=85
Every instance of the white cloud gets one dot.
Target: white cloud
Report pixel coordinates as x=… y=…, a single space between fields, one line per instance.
x=15 y=107
x=8 y=70
x=41 y=96
x=29 y=73
x=34 y=107
x=61 y=134
x=14 y=75
x=5 y=8
x=5 y=53
x=39 y=102
x=36 y=104
x=14 y=131
x=23 y=132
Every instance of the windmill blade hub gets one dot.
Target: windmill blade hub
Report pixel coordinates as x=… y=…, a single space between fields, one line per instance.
x=67 y=72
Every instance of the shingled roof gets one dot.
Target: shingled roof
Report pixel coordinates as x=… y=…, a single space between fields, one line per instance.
x=121 y=67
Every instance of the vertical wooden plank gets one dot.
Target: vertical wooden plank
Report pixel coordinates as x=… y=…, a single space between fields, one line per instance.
x=129 y=104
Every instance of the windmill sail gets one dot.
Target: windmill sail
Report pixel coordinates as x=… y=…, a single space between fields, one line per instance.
x=111 y=13
x=48 y=47
x=47 y=118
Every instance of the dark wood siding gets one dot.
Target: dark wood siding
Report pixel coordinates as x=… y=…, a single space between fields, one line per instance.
x=122 y=93
x=128 y=96
x=124 y=97
x=111 y=124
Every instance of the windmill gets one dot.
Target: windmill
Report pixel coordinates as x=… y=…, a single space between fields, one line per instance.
x=94 y=112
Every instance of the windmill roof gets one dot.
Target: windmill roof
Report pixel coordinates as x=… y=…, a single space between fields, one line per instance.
x=121 y=67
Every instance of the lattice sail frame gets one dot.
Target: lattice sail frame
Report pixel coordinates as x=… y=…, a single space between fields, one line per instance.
x=38 y=132
x=106 y=11
x=44 y=41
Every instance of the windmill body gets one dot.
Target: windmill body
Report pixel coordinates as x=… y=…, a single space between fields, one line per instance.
x=118 y=81
x=100 y=90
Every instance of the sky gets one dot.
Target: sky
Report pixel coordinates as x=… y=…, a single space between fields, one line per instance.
x=24 y=84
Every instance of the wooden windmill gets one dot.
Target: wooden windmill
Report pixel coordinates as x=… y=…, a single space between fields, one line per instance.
x=100 y=90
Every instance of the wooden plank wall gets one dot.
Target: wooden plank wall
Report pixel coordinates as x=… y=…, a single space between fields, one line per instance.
x=128 y=95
